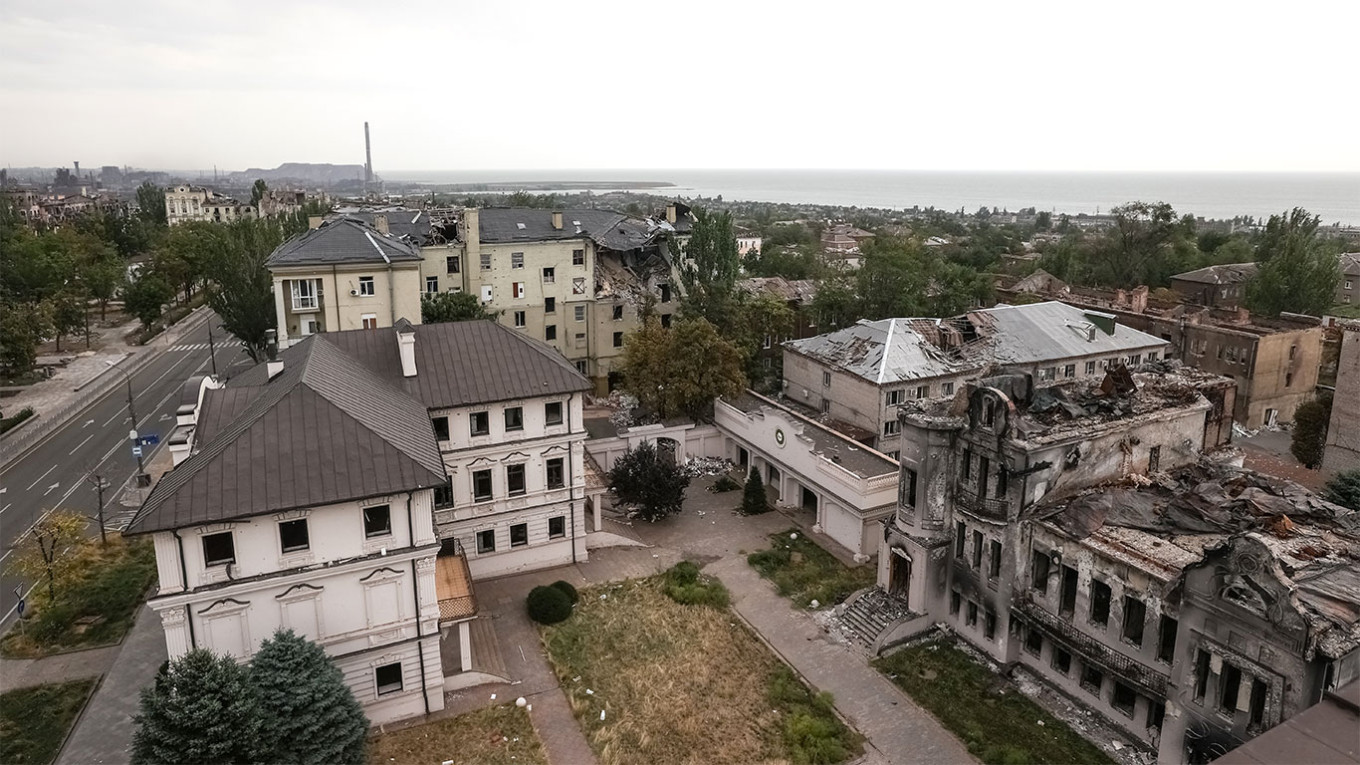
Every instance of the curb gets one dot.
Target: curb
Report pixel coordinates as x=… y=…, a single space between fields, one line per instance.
x=11 y=449
x=75 y=722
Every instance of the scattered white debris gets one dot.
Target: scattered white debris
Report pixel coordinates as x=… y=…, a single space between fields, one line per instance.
x=794 y=535
x=590 y=692
x=602 y=715
x=697 y=466
x=1040 y=723
x=1117 y=746
x=521 y=702
x=493 y=697
x=814 y=604
x=530 y=708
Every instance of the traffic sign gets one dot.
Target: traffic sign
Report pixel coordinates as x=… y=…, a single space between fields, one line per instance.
x=20 y=607
x=136 y=451
x=150 y=439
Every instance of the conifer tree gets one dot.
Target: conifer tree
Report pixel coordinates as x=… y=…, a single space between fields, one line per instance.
x=308 y=714
x=753 y=497
x=200 y=709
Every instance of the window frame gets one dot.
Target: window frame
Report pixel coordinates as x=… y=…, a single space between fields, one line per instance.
x=228 y=561
x=441 y=433
x=367 y=287
x=485 y=541
x=293 y=524
x=386 y=530
x=484 y=418
x=516 y=473
x=515 y=422
x=381 y=689
x=477 y=475
x=559 y=465
x=549 y=418
x=520 y=530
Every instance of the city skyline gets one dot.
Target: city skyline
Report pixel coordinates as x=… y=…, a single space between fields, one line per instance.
x=987 y=87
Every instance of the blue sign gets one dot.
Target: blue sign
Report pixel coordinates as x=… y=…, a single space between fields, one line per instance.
x=20 y=607
x=150 y=439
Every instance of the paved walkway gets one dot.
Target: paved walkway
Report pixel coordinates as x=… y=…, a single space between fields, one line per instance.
x=103 y=733
x=77 y=665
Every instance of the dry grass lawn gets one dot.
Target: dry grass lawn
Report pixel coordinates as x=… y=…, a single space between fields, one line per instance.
x=684 y=684
x=495 y=736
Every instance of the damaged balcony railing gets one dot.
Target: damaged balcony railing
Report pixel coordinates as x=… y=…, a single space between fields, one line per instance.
x=1136 y=673
x=453 y=583
x=985 y=507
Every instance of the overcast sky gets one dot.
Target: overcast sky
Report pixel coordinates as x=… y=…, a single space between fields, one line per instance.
x=502 y=84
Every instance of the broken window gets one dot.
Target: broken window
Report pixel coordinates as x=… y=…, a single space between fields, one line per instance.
x=960 y=538
x=983 y=467
x=618 y=313
x=579 y=312
x=549 y=275
x=1034 y=641
x=977 y=549
x=994 y=563
x=966 y=464
x=1090 y=367
x=618 y=339
x=666 y=320
x=432 y=284
x=1258 y=702
x=218 y=549
x=923 y=391
x=1124 y=698
x=578 y=257
x=481 y=485
x=486 y=541
x=549 y=305
x=514 y=418
x=1135 y=614
x=826 y=379
x=1067 y=603
x=1229 y=685
x=486 y=261
x=366 y=286
x=972 y=614
x=479 y=423
x=557 y=527
x=517 y=290
x=1091 y=678
x=1062 y=660
x=1166 y=641
x=1002 y=480
x=1070 y=370
x=948 y=389
x=988 y=413
x=556 y=476
x=1100 y=602
x=1288 y=379
x=441 y=428
x=954 y=601
x=517 y=260
x=519 y=535
x=552 y=413
x=906 y=492
x=1154 y=458
x=1039 y=568
x=520 y=318
x=896 y=396
x=453 y=264
x=665 y=293
x=1201 y=674
x=891 y=427
x=293 y=535
x=550 y=332
x=514 y=480
x=989 y=624
x=1156 y=713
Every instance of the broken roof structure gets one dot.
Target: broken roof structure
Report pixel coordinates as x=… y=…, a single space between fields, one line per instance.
x=608 y=229
x=1227 y=273
x=799 y=291
x=891 y=351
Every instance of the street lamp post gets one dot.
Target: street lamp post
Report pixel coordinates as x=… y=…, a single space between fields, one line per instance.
x=132 y=434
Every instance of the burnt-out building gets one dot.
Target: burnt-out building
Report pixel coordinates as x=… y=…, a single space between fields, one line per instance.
x=1101 y=537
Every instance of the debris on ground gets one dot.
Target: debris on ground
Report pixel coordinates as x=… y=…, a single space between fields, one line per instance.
x=697 y=466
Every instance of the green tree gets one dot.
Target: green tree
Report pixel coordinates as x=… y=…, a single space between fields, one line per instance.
x=49 y=550
x=151 y=204
x=201 y=708
x=646 y=365
x=258 y=191
x=146 y=297
x=1131 y=248
x=240 y=287
x=1344 y=489
x=307 y=713
x=709 y=266
x=439 y=307
x=103 y=277
x=681 y=369
x=22 y=328
x=648 y=483
x=1043 y=221
x=753 y=500
x=1309 y=437
x=1298 y=271
x=68 y=313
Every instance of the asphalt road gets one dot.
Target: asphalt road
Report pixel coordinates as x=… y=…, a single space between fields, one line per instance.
x=56 y=473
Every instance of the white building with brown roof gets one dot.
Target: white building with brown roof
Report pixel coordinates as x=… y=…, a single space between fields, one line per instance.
x=352 y=490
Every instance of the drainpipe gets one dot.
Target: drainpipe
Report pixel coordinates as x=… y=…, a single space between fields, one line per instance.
x=184 y=579
x=415 y=588
x=571 y=487
x=391 y=294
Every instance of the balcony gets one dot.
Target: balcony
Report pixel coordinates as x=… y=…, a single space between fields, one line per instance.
x=993 y=508
x=453 y=584
x=306 y=303
x=1090 y=648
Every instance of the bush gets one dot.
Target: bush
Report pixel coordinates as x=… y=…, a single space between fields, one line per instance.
x=568 y=590
x=685 y=585
x=753 y=501
x=9 y=423
x=812 y=731
x=548 y=605
x=725 y=483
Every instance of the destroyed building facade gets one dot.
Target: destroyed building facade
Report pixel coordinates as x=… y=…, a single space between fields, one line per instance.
x=1089 y=533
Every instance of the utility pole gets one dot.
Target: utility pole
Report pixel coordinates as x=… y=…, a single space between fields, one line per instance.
x=212 y=348
x=142 y=478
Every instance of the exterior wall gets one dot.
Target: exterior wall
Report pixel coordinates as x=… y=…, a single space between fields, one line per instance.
x=1343 y=433
x=465 y=517
x=849 y=398
x=1217 y=295
x=1284 y=374
x=849 y=505
x=367 y=601
x=396 y=295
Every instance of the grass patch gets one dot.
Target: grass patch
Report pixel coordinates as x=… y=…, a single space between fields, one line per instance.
x=804 y=572
x=682 y=683
x=998 y=724
x=95 y=609
x=685 y=585
x=34 y=721
x=1346 y=310
x=494 y=736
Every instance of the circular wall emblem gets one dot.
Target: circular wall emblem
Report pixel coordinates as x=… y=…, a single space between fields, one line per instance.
x=779 y=436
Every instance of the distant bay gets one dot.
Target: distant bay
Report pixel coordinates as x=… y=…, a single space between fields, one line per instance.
x=1333 y=196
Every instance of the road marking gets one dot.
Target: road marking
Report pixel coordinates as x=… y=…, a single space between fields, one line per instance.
x=87 y=424
x=44 y=475
x=82 y=443
x=114 y=417
x=50 y=488
x=6 y=507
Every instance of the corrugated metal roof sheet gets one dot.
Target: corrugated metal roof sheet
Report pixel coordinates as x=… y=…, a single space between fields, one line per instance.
x=898 y=350
x=1227 y=273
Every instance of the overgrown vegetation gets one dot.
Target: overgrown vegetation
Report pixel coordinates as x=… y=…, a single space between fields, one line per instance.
x=652 y=680
x=1344 y=489
x=803 y=571
x=10 y=423
x=684 y=584
x=998 y=724
x=502 y=735
x=34 y=721
x=89 y=595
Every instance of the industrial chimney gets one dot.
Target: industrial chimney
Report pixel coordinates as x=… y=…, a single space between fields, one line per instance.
x=368 y=159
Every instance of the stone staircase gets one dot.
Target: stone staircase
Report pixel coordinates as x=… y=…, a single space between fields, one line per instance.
x=869 y=615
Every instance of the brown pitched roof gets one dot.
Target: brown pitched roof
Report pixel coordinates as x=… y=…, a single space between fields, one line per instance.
x=325 y=430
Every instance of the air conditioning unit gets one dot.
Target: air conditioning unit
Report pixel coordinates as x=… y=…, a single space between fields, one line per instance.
x=354 y=293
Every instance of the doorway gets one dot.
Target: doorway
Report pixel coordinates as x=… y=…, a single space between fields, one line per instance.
x=899 y=576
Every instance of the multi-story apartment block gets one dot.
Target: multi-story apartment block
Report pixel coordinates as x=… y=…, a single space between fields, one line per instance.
x=1223 y=286
x=1273 y=361
x=351 y=490
x=861 y=374
x=186 y=203
x=1348 y=289
x=1343 y=431
x=1081 y=533
x=343 y=274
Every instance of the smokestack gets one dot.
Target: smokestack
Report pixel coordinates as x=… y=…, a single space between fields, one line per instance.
x=368 y=157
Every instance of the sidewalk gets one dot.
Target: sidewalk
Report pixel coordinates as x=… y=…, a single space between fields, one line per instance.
x=24 y=673
x=103 y=733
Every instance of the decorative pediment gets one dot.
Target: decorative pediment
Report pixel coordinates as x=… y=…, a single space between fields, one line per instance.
x=290 y=515
x=555 y=449
x=224 y=606
x=515 y=457
x=303 y=590
x=380 y=574
x=481 y=462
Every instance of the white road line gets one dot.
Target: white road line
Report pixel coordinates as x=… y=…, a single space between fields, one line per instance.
x=44 y=475
x=114 y=417
x=82 y=443
x=51 y=488
x=6 y=507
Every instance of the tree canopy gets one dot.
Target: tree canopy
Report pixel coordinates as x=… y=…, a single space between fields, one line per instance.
x=1308 y=439
x=649 y=482
x=1298 y=271
x=440 y=307
x=709 y=266
x=307 y=713
x=681 y=369
x=1344 y=489
x=201 y=708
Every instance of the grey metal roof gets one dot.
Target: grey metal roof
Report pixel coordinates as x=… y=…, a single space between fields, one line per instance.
x=414 y=224
x=898 y=350
x=465 y=362
x=526 y=224
x=1228 y=273
x=325 y=430
x=340 y=241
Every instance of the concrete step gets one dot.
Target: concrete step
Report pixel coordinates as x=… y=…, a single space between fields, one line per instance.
x=486 y=648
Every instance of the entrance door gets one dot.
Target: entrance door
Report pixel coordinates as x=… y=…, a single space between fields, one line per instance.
x=899 y=576
x=1271 y=416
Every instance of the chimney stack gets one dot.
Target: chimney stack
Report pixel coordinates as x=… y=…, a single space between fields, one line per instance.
x=380 y=223
x=314 y=221
x=406 y=346
x=557 y=220
x=670 y=214
x=368 y=160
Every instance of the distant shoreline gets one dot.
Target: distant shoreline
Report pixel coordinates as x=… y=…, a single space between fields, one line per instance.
x=513 y=186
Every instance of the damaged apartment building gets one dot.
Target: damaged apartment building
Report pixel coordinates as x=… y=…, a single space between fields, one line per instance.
x=1273 y=361
x=858 y=376
x=1097 y=536
x=577 y=280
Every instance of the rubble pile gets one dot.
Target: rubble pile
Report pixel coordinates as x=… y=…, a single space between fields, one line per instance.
x=698 y=466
